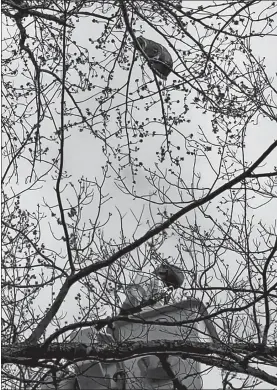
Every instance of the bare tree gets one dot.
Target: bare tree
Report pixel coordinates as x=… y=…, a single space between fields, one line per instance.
x=109 y=170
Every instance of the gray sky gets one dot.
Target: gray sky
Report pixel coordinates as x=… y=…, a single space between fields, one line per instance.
x=84 y=157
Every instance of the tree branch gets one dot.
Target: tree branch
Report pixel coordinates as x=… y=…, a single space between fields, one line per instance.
x=40 y=329
x=28 y=11
x=30 y=354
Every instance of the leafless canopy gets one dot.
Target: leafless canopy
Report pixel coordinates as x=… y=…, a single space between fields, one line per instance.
x=108 y=171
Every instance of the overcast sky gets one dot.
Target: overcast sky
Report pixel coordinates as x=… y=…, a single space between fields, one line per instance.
x=84 y=158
